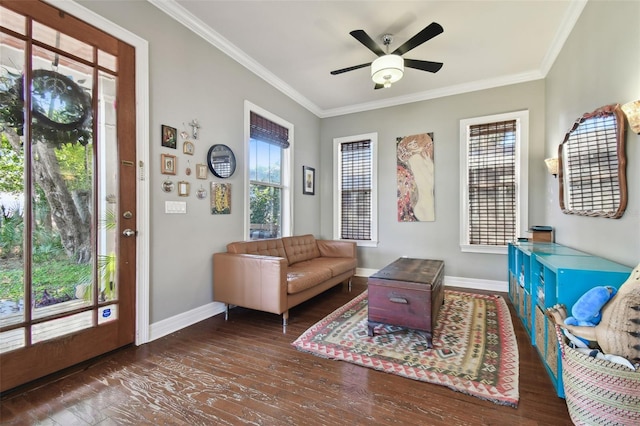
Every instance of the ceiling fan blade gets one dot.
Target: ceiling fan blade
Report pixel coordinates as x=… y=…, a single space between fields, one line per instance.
x=364 y=38
x=429 y=32
x=423 y=65
x=355 y=67
x=378 y=86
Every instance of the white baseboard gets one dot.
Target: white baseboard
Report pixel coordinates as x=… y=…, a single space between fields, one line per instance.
x=470 y=283
x=185 y=319
x=170 y=325
x=476 y=284
x=361 y=272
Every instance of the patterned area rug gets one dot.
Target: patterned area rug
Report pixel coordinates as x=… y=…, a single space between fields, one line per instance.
x=474 y=346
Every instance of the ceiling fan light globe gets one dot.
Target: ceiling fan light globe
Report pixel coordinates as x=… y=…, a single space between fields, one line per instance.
x=387 y=69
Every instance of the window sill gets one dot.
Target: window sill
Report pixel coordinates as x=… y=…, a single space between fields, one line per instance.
x=469 y=248
x=361 y=243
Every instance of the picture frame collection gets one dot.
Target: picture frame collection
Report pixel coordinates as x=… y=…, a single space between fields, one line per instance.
x=220 y=193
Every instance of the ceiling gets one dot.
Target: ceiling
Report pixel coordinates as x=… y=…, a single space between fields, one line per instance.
x=294 y=45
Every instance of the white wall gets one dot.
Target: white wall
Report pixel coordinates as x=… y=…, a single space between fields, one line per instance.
x=599 y=65
x=190 y=79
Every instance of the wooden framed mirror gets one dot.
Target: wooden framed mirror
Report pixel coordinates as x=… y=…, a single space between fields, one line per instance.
x=592 y=165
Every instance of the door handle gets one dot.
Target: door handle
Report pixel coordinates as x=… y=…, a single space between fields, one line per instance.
x=129 y=232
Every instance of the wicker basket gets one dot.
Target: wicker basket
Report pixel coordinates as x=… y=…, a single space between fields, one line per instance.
x=599 y=392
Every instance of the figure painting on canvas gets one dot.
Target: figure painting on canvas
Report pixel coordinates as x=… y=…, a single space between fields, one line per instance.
x=416 y=200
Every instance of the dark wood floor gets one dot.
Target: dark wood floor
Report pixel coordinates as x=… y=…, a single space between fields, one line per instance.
x=245 y=371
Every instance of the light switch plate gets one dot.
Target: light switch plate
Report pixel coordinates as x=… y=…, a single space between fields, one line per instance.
x=175 y=207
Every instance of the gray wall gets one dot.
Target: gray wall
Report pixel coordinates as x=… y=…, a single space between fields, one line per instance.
x=189 y=78
x=599 y=65
x=438 y=239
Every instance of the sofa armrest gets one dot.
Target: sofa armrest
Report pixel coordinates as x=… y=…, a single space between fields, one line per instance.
x=337 y=248
x=251 y=281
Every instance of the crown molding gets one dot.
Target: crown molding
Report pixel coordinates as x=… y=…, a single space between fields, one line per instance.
x=193 y=23
x=569 y=20
x=436 y=93
x=181 y=15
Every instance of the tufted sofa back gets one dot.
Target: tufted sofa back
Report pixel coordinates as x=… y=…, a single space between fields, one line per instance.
x=271 y=247
x=300 y=248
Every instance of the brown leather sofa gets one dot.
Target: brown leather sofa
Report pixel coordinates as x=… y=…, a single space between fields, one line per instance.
x=275 y=275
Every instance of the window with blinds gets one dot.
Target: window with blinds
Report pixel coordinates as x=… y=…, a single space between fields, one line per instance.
x=267 y=131
x=355 y=190
x=269 y=176
x=492 y=183
x=493 y=159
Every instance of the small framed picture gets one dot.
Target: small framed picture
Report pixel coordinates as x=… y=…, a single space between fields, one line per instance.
x=188 y=148
x=169 y=136
x=220 y=198
x=201 y=171
x=183 y=188
x=168 y=164
x=308 y=180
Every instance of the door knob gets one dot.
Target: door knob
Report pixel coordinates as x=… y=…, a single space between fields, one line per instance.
x=129 y=232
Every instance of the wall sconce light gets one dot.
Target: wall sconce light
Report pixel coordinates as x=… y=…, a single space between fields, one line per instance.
x=552 y=166
x=632 y=111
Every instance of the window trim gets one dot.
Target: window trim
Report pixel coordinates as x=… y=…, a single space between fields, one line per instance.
x=337 y=178
x=521 y=175
x=286 y=170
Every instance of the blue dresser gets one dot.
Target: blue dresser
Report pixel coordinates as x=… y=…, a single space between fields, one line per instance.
x=544 y=274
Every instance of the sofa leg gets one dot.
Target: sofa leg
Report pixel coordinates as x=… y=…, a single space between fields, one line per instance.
x=349 y=284
x=226 y=311
x=285 y=321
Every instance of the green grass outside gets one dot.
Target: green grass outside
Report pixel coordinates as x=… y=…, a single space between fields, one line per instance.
x=58 y=278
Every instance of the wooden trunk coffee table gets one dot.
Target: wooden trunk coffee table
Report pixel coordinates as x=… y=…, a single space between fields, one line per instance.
x=407 y=293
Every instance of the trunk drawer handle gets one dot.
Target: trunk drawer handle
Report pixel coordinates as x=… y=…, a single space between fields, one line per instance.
x=398 y=300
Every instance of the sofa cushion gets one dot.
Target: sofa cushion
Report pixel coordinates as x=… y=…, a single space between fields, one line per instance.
x=270 y=247
x=304 y=275
x=337 y=265
x=300 y=248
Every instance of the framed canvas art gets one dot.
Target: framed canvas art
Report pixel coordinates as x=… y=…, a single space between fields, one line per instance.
x=415 y=174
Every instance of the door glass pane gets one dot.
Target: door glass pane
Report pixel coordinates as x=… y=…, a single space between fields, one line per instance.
x=107 y=60
x=107 y=189
x=61 y=326
x=107 y=313
x=12 y=339
x=11 y=20
x=11 y=184
x=62 y=41
x=62 y=185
